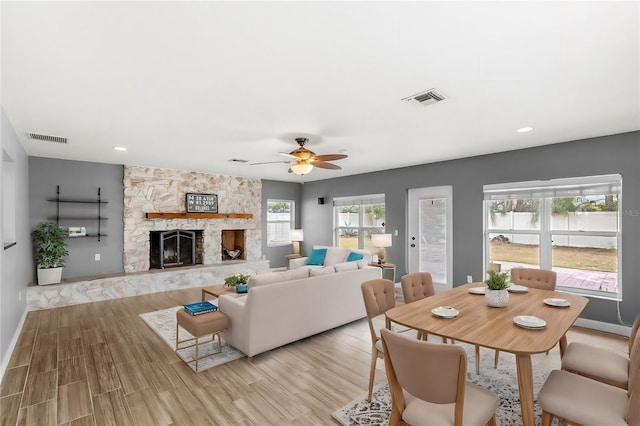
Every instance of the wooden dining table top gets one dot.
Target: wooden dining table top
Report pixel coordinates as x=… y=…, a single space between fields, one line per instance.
x=489 y=327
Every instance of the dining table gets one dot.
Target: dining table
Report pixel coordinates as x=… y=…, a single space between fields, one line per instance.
x=489 y=327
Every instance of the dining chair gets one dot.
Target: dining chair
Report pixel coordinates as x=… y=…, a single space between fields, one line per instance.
x=533 y=278
x=417 y=286
x=580 y=400
x=379 y=297
x=428 y=383
x=599 y=363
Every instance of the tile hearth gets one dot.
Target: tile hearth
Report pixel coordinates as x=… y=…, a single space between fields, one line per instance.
x=136 y=284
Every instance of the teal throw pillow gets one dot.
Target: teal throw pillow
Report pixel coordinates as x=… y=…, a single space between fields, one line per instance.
x=353 y=256
x=316 y=257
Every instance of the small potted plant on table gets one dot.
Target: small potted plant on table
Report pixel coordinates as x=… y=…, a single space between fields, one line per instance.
x=496 y=294
x=50 y=251
x=239 y=281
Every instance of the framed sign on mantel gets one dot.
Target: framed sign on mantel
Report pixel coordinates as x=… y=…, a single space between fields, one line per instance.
x=202 y=203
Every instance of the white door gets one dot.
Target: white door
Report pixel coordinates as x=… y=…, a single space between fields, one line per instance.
x=429 y=241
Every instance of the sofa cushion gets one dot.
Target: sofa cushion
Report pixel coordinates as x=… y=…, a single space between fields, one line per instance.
x=345 y=266
x=317 y=257
x=322 y=271
x=353 y=256
x=276 y=277
x=296 y=274
x=335 y=255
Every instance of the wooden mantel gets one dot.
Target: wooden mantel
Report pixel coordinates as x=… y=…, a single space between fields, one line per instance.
x=199 y=215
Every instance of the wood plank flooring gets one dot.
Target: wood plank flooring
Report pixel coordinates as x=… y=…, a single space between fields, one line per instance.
x=100 y=364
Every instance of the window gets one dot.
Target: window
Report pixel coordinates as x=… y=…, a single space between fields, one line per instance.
x=356 y=218
x=571 y=226
x=281 y=220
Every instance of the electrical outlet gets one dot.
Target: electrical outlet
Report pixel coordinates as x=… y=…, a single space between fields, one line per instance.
x=19 y=296
x=469 y=279
x=395 y=232
x=97 y=257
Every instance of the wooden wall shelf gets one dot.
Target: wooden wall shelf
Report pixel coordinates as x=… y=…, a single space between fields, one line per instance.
x=199 y=215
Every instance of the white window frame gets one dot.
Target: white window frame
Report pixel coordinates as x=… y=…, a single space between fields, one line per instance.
x=360 y=200
x=291 y=221
x=545 y=191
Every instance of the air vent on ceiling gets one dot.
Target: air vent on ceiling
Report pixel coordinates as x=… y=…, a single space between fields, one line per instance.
x=428 y=97
x=237 y=160
x=46 y=138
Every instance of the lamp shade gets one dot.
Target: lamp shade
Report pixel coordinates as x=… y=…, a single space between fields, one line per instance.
x=381 y=240
x=302 y=167
x=296 y=235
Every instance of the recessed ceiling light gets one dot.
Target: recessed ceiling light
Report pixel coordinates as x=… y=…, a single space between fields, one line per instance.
x=119 y=148
x=524 y=129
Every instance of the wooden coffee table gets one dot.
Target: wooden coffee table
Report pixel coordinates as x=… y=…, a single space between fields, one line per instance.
x=217 y=291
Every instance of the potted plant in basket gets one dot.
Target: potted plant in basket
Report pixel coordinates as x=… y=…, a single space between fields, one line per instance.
x=496 y=294
x=50 y=251
x=239 y=281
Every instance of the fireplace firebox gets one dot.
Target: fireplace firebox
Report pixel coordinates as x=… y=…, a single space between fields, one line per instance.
x=172 y=249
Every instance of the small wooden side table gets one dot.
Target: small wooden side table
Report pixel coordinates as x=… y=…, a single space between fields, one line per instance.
x=217 y=291
x=387 y=266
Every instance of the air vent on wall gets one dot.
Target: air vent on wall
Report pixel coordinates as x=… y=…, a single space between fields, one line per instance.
x=425 y=98
x=46 y=138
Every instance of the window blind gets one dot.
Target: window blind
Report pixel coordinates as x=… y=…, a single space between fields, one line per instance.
x=569 y=187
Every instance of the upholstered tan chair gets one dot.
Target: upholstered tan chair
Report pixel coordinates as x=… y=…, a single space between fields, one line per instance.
x=379 y=297
x=599 y=363
x=417 y=286
x=428 y=383
x=533 y=278
x=580 y=400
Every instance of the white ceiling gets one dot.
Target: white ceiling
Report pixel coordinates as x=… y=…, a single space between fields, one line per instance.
x=191 y=85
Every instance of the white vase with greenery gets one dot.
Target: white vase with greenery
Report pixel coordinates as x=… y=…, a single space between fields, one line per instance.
x=50 y=251
x=496 y=294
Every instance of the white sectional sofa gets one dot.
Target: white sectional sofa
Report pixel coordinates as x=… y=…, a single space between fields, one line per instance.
x=283 y=307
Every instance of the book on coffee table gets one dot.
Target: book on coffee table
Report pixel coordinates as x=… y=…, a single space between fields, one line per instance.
x=198 y=308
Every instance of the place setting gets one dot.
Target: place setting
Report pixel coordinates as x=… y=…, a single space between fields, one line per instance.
x=556 y=302
x=445 y=312
x=529 y=322
x=477 y=290
x=514 y=288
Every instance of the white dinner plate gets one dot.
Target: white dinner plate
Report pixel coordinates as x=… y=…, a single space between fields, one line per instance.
x=528 y=321
x=517 y=288
x=477 y=290
x=561 y=303
x=445 y=312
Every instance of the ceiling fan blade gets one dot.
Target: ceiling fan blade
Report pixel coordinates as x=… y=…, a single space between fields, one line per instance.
x=286 y=154
x=330 y=157
x=271 y=162
x=323 y=165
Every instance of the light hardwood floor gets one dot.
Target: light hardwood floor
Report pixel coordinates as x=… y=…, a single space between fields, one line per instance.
x=99 y=364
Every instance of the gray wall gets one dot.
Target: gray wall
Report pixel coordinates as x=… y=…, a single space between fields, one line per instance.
x=16 y=262
x=279 y=191
x=78 y=179
x=596 y=156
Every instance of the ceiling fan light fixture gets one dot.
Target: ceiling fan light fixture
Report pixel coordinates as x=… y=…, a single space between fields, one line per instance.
x=302 y=168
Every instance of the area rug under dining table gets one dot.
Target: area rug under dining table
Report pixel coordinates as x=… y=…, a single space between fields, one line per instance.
x=503 y=381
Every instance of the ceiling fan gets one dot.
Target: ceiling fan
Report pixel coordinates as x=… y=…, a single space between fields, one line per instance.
x=303 y=160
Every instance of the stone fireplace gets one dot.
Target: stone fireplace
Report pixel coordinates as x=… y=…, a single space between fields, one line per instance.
x=175 y=248
x=156 y=190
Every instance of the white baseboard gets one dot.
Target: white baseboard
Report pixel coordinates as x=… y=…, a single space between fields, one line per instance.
x=622 y=330
x=12 y=345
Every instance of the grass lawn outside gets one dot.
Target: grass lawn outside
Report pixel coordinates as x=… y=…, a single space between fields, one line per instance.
x=585 y=258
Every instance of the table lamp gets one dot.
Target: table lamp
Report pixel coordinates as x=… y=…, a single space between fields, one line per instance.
x=381 y=241
x=296 y=236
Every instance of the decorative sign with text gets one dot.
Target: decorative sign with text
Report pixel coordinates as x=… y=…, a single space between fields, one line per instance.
x=202 y=203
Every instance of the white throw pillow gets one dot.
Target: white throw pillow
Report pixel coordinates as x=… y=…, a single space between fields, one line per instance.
x=267 y=278
x=296 y=274
x=335 y=255
x=346 y=266
x=362 y=264
x=322 y=271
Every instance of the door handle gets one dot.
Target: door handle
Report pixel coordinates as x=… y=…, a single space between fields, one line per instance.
x=413 y=245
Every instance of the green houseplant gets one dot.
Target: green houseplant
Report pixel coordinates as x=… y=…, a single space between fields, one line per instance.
x=50 y=251
x=496 y=294
x=239 y=281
